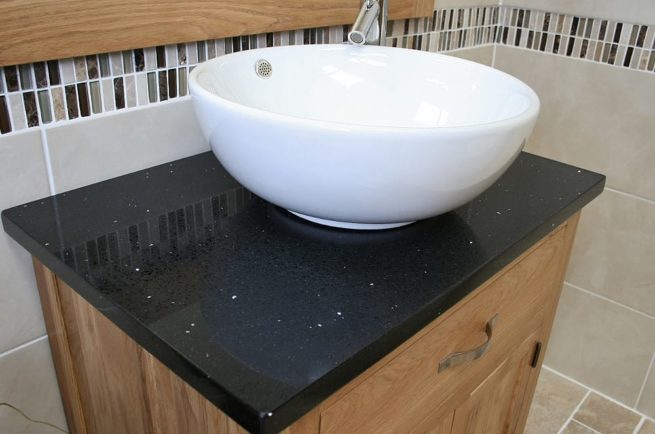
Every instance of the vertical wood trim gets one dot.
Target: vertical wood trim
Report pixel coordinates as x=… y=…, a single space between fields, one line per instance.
x=108 y=369
x=58 y=337
x=570 y=229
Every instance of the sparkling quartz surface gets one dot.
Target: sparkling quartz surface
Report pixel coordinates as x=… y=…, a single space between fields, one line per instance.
x=264 y=313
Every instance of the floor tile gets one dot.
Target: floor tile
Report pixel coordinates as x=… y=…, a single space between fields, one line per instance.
x=575 y=428
x=648 y=427
x=606 y=416
x=553 y=402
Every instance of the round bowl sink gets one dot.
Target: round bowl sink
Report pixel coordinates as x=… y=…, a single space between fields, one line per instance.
x=361 y=137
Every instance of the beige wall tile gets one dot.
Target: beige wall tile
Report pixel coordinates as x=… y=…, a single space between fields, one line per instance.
x=97 y=149
x=28 y=382
x=22 y=178
x=482 y=55
x=647 y=401
x=606 y=416
x=614 y=250
x=574 y=427
x=648 y=427
x=637 y=11
x=592 y=115
x=601 y=344
x=553 y=403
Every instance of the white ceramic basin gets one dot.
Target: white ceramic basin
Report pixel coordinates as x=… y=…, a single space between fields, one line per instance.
x=362 y=137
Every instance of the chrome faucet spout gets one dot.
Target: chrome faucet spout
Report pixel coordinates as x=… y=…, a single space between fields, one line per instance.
x=371 y=24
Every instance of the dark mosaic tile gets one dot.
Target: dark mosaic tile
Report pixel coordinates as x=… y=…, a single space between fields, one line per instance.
x=83 y=99
x=161 y=56
x=71 y=102
x=53 y=72
x=181 y=54
x=172 y=83
x=92 y=67
x=574 y=26
x=163 y=86
x=603 y=30
x=40 y=75
x=628 y=57
x=642 y=36
x=617 y=32
x=583 y=48
x=119 y=93
x=5 y=123
x=31 y=112
x=139 y=60
x=546 y=24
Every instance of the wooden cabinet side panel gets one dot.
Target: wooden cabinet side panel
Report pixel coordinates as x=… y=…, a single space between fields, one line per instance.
x=177 y=408
x=46 y=282
x=108 y=368
x=569 y=237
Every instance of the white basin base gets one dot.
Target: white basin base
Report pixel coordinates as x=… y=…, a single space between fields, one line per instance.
x=349 y=225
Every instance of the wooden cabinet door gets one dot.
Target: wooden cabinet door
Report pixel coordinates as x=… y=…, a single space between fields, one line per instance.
x=494 y=406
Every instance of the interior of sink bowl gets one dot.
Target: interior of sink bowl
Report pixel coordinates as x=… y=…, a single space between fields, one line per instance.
x=371 y=86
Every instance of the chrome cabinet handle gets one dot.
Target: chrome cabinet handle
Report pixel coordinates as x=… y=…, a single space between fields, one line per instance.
x=460 y=358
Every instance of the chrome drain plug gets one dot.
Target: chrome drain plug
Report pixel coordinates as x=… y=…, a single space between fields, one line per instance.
x=263 y=68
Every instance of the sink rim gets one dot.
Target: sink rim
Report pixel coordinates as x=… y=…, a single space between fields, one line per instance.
x=197 y=90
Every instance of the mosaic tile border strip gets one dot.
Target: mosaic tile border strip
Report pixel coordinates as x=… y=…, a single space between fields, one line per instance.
x=598 y=40
x=57 y=91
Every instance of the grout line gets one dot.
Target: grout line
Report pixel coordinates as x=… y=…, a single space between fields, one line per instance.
x=586 y=426
x=643 y=385
x=493 y=55
x=21 y=346
x=575 y=410
x=639 y=425
x=609 y=300
x=632 y=195
x=601 y=394
x=48 y=163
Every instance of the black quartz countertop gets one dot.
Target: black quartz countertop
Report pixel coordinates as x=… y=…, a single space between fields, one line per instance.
x=263 y=313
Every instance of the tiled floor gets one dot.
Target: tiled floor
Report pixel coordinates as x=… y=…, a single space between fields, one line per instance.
x=561 y=406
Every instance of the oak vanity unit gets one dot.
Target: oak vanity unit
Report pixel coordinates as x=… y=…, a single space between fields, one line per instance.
x=178 y=302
